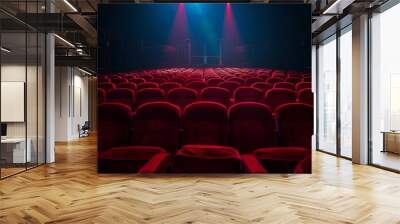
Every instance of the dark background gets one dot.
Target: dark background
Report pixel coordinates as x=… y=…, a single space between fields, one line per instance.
x=137 y=36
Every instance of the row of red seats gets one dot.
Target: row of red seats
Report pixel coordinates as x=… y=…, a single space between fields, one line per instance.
x=199 y=85
x=181 y=75
x=205 y=137
x=211 y=81
x=183 y=96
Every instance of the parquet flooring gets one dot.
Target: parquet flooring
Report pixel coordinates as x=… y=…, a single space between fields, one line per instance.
x=70 y=191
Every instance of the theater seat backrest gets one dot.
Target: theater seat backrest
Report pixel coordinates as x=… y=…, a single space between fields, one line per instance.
x=101 y=96
x=106 y=86
x=295 y=124
x=263 y=86
x=284 y=85
x=276 y=97
x=215 y=94
x=305 y=96
x=159 y=80
x=167 y=86
x=248 y=94
x=252 y=80
x=114 y=122
x=205 y=123
x=128 y=85
x=237 y=79
x=157 y=124
x=123 y=96
x=146 y=85
x=214 y=81
x=303 y=85
x=149 y=95
x=137 y=80
x=229 y=85
x=293 y=80
x=118 y=80
x=252 y=126
x=196 y=85
x=274 y=80
x=182 y=96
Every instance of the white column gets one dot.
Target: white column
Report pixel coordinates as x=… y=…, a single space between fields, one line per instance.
x=360 y=90
x=50 y=92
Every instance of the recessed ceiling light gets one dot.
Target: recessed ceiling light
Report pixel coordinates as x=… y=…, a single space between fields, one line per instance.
x=64 y=40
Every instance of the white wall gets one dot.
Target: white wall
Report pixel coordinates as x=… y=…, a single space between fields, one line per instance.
x=71 y=102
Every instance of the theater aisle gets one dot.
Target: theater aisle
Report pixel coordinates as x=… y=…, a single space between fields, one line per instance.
x=71 y=191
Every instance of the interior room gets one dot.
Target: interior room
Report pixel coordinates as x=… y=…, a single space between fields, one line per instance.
x=56 y=55
x=210 y=90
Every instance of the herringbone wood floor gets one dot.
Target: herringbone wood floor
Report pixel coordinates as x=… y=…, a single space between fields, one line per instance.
x=70 y=191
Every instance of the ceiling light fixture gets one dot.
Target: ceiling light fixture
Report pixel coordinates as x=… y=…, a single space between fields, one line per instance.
x=84 y=71
x=329 y=9
x=64 y=40
x=5 y=50
x=70 y=5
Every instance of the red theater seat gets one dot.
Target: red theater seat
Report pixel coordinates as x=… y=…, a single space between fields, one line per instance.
x=146 y=85
x=215 y=94
x=103 y=79
x=159 y=80
x=149 y=95
x=106 y=86
x=274 y=80
x=295 y=124
x=229 y=85
x=307 y=79
x=236 y=79
x=284 y=85
x=252 y=80
x=214 y=81
x=248 y=94
x=123 y=96
x=167 y=86
x=276 y=97
x=131 y=86
x=263 y=86
x=305 y=96
x=196 y=85
x=252 y=126
x=303 y=85
x=147 y=77
x=205 y=123
x=182 y=96
x=178 y=80
x=207 y=159
x=114 y=125
x=293 y=80
x=119 y=80
x=157 y=124
x=101 y=96
x=264 y=77
x=137 y=80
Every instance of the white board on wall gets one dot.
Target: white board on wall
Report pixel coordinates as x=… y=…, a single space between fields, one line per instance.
x=12 y=101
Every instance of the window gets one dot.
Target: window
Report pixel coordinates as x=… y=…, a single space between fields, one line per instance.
x=385 y=88
x=327 y=96
x=346 y=92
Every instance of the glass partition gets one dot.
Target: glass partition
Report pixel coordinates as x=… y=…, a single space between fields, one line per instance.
x=327 y=96
x=346 y=92
x=22 y=91
x=385 y=89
